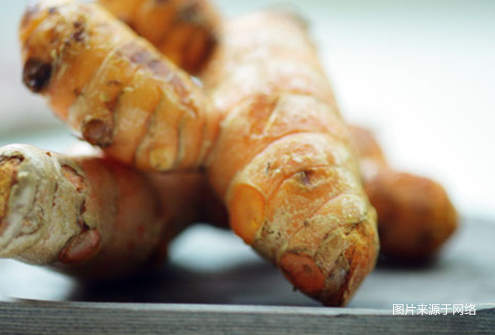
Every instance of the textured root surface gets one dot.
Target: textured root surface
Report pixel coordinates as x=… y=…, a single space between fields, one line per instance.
x=8 y=177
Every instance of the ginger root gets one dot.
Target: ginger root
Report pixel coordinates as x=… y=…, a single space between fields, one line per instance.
x=415 y=215
x=88 y=216
x=283 y=163
x=267 y=130
x=114 y=87
x=183 y=30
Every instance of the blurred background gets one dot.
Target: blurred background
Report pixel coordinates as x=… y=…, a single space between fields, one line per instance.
x=419 y=73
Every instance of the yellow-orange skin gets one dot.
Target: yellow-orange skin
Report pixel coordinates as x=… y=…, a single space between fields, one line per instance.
x=415 y=215
x=283 y=163
x=88 y=216
x=183 y=30
x=114 y=87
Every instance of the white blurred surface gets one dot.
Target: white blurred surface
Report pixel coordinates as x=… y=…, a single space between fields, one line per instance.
x=420 y=73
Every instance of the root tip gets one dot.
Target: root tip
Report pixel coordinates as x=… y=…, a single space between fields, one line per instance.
x=97 y=132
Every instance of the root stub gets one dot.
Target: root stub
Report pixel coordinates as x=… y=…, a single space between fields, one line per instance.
x=36 y=74
x=81 y=247
x=98 y=133
x=247 y=208
x=303 y=273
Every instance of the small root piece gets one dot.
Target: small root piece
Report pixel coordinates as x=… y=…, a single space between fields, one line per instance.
x=303 y=273
x=36 y=74
x=80 y=247
x=97 y=132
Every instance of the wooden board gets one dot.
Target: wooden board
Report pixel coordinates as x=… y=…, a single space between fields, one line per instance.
x=82 y=318
x=192 y=296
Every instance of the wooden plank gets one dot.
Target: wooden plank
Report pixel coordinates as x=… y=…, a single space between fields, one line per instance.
x=30 y=317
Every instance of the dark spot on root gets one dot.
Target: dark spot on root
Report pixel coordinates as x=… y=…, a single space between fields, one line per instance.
x=83 y=225
x=52 y=10
x=78 y=35
x=267 y=169
x=267 y=229
x=55 y=195
x=97 y=132
x=36 y=74
x=305 y=177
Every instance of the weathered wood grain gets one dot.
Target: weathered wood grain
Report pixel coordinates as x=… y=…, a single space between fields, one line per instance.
x=31 y=317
